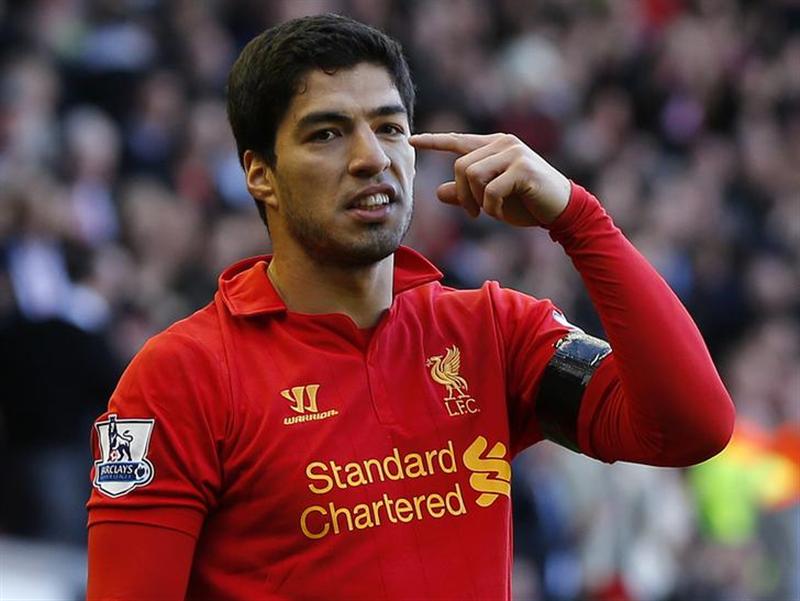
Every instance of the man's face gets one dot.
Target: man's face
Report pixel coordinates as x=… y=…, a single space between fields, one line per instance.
x=344 y=171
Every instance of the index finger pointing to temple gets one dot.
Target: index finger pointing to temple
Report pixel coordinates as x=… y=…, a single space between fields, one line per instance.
x=452 y=142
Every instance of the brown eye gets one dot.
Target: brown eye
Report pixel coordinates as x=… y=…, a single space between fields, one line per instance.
x=323 y=135
x=392 y=129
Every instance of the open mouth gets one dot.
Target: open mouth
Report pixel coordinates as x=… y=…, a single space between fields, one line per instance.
x=372 y=202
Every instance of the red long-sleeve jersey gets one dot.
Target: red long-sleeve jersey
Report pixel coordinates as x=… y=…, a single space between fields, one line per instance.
x=257 y=453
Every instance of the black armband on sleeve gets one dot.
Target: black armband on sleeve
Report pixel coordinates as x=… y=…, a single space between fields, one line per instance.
x=564 y=381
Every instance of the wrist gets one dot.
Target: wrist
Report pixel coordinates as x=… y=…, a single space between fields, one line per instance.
x=559 y=200
x=579 y=207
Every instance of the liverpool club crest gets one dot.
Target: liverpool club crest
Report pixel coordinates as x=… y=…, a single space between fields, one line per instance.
x=123 y=463
x=445 y=371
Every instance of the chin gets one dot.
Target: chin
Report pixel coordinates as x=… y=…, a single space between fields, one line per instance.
x=348 y=248
x=357 y=253
x=363 y=256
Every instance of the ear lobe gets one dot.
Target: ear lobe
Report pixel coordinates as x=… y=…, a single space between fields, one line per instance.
x=259 y=178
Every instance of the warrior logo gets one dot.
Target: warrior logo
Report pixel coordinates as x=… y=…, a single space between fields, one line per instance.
x=303 y=400
x=444 y=371
x=123 y=450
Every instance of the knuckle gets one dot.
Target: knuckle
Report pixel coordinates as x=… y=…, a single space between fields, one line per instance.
x=493 y=209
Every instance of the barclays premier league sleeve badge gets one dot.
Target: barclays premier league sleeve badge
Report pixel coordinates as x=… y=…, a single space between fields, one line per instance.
x=123 y=465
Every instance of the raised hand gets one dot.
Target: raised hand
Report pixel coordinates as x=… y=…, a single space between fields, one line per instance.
x=502 y=176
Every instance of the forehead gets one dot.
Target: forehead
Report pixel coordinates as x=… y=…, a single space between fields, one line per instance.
x=361 y=88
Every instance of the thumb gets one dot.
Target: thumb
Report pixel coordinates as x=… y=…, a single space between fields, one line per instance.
x=447 y=194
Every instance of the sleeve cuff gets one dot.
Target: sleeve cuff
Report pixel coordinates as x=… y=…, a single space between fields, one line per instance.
x=578 y=198
x=183 y=519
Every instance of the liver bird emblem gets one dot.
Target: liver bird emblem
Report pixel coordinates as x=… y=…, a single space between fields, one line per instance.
x=445 y=371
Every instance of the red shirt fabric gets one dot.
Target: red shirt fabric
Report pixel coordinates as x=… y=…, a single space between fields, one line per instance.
x=312 y=461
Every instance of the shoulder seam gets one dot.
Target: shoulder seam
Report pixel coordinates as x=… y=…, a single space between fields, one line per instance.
x=228 y=371
x=500 y=335
x=221 y=361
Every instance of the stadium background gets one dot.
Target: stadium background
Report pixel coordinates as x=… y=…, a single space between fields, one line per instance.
x=121 y=199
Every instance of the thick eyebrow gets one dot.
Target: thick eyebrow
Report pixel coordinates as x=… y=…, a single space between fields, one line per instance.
x=387 y=110
x=318 y=117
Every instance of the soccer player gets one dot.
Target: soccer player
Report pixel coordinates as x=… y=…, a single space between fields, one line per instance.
x=337 y=424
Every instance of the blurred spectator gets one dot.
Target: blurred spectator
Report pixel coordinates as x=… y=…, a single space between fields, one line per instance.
x=154 y=129
x=30 y=91
x=92 y=144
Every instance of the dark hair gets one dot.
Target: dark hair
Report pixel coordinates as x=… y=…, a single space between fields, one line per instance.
x=268 y=73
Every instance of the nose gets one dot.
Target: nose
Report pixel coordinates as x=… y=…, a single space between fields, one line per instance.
x=367 y=156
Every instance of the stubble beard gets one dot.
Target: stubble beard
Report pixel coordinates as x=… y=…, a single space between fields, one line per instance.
x=375 y=242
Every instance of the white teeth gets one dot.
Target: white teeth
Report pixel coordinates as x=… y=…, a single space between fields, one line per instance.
x=372 y=201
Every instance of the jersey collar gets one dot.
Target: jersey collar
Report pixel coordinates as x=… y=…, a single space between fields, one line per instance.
x=246 y=289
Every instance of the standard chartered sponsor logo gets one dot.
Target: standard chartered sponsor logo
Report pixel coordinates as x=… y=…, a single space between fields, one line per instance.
x=318 y=521
x=500 y=481
x=325 y=477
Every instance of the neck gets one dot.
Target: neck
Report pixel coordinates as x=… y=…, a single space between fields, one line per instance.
x=363 y=294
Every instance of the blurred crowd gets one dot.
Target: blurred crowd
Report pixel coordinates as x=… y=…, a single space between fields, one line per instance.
x=121 y=200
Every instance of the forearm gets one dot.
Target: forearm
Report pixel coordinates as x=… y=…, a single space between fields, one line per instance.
x=134 y=561
x=660 y=400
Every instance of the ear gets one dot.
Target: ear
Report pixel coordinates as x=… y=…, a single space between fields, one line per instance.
x=260 y=178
